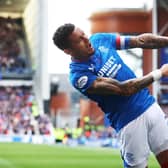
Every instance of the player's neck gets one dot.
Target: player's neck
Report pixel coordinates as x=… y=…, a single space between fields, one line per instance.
x=79 y=59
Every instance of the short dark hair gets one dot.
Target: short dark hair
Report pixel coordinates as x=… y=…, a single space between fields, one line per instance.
x=61 y=35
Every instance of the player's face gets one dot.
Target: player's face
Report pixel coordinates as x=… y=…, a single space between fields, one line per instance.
x=80 y=47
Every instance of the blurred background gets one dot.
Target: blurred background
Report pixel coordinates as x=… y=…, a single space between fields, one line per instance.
x=37 y=102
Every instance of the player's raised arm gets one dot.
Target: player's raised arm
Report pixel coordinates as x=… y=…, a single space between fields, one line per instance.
x=148 y=41
x=109 y=86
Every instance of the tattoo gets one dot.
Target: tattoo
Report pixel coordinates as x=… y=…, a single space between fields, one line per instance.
x=108 y=86
x=149 y=41
x=132 y=86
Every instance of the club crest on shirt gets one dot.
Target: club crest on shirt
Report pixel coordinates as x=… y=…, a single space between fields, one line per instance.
x=81 y=82
x=103 y=49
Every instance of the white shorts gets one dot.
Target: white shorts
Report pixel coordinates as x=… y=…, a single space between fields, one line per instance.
x=149 y=132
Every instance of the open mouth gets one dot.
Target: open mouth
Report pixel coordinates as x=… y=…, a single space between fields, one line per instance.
x=90 y=46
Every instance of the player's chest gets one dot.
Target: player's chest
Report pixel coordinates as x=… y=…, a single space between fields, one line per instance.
x=106 y=65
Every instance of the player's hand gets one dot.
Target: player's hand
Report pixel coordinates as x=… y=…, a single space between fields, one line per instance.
x=164 y=70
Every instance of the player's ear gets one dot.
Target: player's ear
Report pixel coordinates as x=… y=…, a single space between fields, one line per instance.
x=67 y=51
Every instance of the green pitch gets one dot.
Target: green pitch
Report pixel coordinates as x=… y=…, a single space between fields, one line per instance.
x=16 y=155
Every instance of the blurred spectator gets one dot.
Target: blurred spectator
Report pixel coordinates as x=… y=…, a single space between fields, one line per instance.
x=16 y=112
x=12 y=47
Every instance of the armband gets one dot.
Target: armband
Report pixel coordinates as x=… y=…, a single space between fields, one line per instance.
x=157 y=74
x=122 y=42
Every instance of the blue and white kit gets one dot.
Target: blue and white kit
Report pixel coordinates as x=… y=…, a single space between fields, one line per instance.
x=105 y=62
x=138 y=114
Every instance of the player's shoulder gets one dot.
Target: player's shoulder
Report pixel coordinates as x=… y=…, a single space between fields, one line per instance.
x=76 y=69
x=80 y=72
x=99 y=38
x=80 y=80
x=103 y=35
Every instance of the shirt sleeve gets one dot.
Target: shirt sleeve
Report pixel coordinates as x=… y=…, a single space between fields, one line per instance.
x=82 y=81
x=113 y=40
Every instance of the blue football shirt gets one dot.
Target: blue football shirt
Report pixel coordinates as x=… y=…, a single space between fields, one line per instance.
x=105 y=62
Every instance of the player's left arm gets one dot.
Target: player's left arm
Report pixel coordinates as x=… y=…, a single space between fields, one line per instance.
x=145 y=41
x=148 y=41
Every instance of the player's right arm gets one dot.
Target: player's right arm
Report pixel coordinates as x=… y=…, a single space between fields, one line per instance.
x=108 y=86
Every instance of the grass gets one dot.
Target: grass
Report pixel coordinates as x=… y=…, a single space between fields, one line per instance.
x=17 y=155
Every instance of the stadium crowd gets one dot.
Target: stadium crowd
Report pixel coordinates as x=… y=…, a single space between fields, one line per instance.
x=19 y=114
x=12 y=46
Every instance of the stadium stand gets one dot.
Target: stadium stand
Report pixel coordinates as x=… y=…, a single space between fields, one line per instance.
x=14 y=62
x=19 y=114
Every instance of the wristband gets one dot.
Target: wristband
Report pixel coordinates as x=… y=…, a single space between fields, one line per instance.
x=157 y=74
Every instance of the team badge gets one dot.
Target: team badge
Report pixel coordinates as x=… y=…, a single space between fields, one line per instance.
x=103 y=49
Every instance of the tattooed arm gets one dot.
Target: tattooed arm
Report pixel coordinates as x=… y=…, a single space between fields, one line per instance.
x=148 y=41
x=107 y=86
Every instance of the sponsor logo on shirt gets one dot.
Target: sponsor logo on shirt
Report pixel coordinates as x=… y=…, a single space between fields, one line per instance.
x=81 y=82
x=110 y=68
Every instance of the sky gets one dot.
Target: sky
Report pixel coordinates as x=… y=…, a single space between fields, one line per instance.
x=77 y=12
